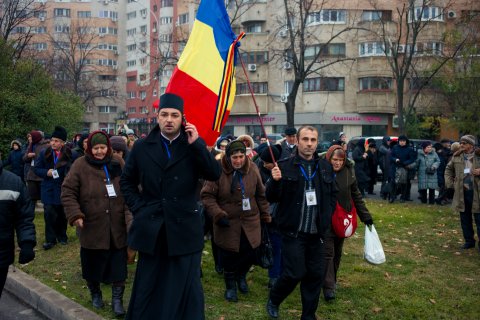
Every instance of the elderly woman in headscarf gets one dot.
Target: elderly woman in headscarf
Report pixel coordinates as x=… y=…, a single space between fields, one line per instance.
x=236 y=202
x=348 y=196
x=93 y=203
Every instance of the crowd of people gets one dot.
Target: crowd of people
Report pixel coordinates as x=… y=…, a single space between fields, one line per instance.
x=161 y=195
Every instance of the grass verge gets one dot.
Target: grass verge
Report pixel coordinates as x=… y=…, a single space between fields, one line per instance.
x=426 y=275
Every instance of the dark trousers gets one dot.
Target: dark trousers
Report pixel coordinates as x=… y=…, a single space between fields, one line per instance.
x=276 y=240
x=55 y=223
x=333 y=255
x=466 y=219
x=3 y=278
x=238 y=262
x=423 y=195
x=303 y=260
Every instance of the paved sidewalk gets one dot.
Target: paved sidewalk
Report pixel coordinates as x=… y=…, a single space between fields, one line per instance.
x=45 y=300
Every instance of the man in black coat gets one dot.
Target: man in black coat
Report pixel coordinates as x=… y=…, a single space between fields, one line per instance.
x=159 y=183
x=304 y=188
x=16 y=216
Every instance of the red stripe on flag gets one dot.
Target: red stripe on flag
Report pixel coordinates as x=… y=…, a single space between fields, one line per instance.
x=199 y=103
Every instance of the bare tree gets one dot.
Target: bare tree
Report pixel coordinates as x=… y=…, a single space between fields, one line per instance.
x=410 y=56
x=300 y=36
x=14 y=23
x=74 y=62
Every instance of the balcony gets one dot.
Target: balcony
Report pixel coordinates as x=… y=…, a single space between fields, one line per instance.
x=254 y=12
x=376 y=102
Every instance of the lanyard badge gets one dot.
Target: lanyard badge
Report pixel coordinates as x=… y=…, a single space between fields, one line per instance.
x=110 y=188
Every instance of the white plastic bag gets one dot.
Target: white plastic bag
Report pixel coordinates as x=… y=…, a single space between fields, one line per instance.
x=373 y=247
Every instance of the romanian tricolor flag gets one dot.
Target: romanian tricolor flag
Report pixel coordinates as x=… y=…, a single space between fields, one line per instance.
x=205 y=73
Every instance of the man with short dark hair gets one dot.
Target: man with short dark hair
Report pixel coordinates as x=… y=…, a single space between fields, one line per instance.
x=16 y=216
x=304 y=188
x=52 y=166
x=159 y=185
x=462 y=174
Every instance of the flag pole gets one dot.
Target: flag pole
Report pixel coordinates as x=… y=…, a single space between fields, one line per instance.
x=257 y=109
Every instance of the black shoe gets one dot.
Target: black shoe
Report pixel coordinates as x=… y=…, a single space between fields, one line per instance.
x=391 y=200
x=468 y=246
x=329 y=295
x=272 y=309
x=242 y=284
x=231 y=295
x=48 y=245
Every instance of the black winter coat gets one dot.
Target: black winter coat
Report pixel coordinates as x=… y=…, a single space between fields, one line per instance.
x=289 y=193
x=15 y=161
x=16 y=216
x=362 y=171
x=162 y=192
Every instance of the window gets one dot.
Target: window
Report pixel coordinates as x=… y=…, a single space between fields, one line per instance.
x=62 y=28
x=254 y=27
x=166 y=37
x=327 y=17
x=423 y=83
x=257 y=87
x=107 y=62
x=377 y=15
x=107 y=127
x=132 y=110
x=323 y=84
x=108 y=93
x=167 y=3
x=40 y=29
x=132 y=47
x=107 y=109
x=131 y=32
x=428 y=48
x=84 y=14
x=131 y=95
x=143 y=13
x=257 y=57
x=426 y=14
x=59 y=12
x=88 y=109
x=143 y=29
x=40 y=46
x=107 y=46
x=107 y=77
x=183 y=19
x=143 y=110
x=131 y=63
x=166 y=20
x=131 y=78
x=375 y=84
x=325 y=50
x=40 y=14
x=142 y=60
x=368 y=49
x=131 y=15
x=143 y=95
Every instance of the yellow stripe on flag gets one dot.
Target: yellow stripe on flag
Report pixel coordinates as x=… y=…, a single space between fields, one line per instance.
x=200 y=58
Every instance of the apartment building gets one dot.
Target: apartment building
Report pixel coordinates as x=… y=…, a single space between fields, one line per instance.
x=132 y=48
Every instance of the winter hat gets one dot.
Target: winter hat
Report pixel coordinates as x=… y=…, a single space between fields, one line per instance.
x=402 y=137
x=234 y=146
x=82 y=138
x=425 y=144
x=129 y=131
x=267 y=157
x=222 y=141
x=118 y=144
x=290 y=131
x=340 y=135
x=247 y=138
x=468 y=139
x=331 y=150
x=36 y=136
x=18 y=143
x=170 y=100
x=98 y=137
x=60 y=133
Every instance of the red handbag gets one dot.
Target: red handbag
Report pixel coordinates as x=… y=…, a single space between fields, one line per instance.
x=344 y=223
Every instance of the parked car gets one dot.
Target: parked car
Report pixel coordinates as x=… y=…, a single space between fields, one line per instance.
x=274 y=138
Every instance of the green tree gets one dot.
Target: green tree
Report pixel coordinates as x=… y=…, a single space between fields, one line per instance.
x=28 y=100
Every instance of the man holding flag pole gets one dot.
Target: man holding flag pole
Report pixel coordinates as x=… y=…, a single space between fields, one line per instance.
x=167 y=229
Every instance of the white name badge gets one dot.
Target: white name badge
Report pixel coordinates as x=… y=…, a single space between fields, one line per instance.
x=111 y=191
x=55 y=174
x=32 y=164
x=246 y=204
x=311 y=198
x=466 y=171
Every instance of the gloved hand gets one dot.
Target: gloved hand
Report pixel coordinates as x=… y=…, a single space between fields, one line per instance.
x=26 y=253
x=369 y=222
x=223 y=222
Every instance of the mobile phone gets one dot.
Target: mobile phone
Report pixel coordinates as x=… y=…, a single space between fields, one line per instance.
x=184 y=121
